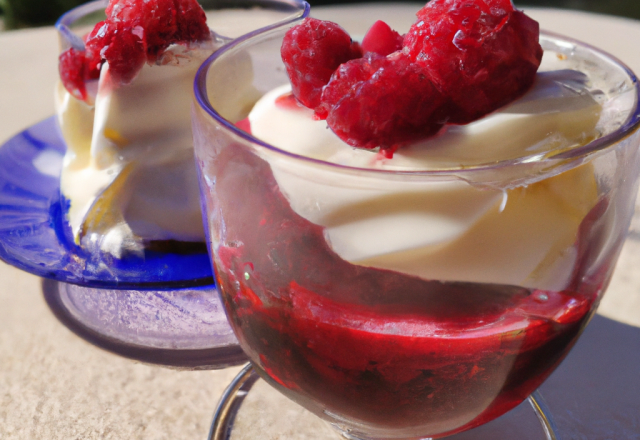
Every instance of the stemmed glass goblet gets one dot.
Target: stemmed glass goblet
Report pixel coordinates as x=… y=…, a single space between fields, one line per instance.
x=379 y=353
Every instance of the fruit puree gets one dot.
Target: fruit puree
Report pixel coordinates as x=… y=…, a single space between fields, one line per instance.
x=395 y=352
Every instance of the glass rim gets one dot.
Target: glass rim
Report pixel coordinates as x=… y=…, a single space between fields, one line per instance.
x=63 y=24
x=72 y=15
x=66 y=20
x=571 y=156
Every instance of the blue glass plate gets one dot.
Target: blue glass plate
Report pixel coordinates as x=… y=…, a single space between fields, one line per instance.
x=184 y=328
x=32 y=226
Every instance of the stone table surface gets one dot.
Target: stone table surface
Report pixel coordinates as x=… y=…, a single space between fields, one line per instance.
x=55 y=385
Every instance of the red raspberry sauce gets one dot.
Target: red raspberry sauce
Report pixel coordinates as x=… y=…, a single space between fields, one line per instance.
x=376 y=346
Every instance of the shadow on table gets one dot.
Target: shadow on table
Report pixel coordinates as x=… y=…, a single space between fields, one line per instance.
x=593 y=395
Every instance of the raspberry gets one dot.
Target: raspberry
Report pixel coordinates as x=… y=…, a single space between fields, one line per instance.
x=95 y=41
x=481 y=53
x=192 y=21
x=382 y=101
x=76 y=67
x=461 y=60
x=311 y=52
x=126 y=56
x=154 y=23
x=71 y=65
x=135 y=31
x=381 y=39
x=343 y=80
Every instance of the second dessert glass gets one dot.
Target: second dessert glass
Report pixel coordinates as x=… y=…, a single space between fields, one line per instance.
x=159 y=306
x=378 y=352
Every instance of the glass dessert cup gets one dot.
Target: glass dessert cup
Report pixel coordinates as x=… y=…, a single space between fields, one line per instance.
x=162 y=308
x=128 y=186
x=381 y=353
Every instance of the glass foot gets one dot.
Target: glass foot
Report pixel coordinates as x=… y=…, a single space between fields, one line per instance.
x=181 y=328
x=265 y=413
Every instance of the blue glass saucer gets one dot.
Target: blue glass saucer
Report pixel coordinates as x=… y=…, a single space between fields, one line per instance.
x=183 y=328
x=162 y=309
x=32 y=234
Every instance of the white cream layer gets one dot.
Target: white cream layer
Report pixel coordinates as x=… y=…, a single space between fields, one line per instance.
x=129 y=170
x=447 y=230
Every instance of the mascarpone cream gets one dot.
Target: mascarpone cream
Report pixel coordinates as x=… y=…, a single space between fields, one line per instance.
x=448 y=229
x=128 y=173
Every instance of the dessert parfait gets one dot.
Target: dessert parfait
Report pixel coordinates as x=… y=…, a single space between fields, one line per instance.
x=123 y=104
x=409 y=233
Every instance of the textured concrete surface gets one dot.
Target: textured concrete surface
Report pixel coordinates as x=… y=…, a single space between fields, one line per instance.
x=54 y=385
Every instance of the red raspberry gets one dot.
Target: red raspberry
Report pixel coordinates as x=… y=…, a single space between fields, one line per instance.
x=382 y=101
x=154 y=23
x=72 y=72
x=76 y=67
x=460 y=61
x=135 y=31
x=343 y=80
x=95 y=41
x=381 y=39
x=192 y=21
x=126 y=55
x=311 y=52
x=481 y=53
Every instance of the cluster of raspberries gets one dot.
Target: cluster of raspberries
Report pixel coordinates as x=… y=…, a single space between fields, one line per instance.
x=134 y=32
x=461 y=60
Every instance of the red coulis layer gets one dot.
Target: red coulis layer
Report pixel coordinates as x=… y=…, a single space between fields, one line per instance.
x=378 y=346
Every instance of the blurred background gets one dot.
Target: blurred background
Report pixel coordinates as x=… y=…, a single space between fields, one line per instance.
x=16 y=14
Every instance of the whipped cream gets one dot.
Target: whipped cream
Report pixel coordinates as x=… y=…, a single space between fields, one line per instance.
x=129 y=169
x=446 y=230
x=129 y=174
